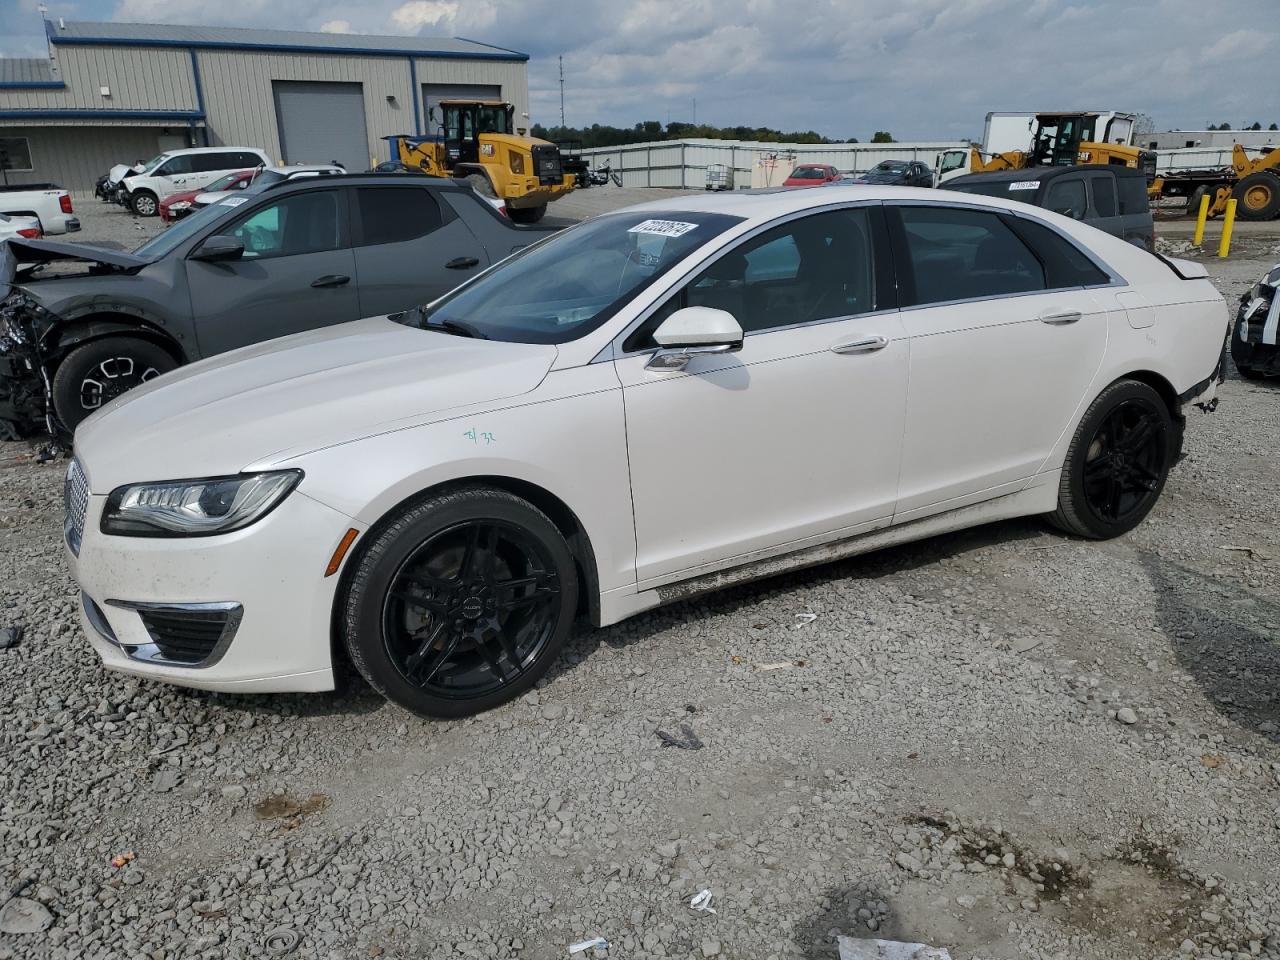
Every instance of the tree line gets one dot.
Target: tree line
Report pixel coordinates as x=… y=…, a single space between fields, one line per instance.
x=603 y=135
x=1227 y=126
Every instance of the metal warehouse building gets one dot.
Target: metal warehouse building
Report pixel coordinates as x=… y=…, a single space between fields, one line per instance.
x=122 y=92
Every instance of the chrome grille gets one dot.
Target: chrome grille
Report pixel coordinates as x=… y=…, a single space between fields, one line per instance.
x=76 y=500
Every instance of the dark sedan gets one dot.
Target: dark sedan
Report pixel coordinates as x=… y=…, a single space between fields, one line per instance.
x=80 y=325
x=899 y=173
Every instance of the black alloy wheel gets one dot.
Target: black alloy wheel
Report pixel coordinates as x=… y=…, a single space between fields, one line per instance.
x=471 y=609
x=1118 y=462
x=460 y=603
x=94 y=374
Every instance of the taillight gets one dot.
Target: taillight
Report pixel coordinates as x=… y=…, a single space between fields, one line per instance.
x=65 y=202
x=31 y=233
x=503 y=210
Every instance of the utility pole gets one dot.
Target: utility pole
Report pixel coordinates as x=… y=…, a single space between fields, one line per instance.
x=562 y=91
x=695 y=111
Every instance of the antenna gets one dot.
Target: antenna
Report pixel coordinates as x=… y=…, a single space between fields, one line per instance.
x=562 y=91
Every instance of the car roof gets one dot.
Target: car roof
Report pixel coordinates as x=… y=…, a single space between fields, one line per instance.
x=370 y=178
x=1045 y=173
x=181 y=151
x=770 y=203
x=301 y=167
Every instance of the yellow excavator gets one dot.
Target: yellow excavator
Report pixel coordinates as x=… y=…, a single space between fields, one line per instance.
x=1067 y=139
x=476 y=141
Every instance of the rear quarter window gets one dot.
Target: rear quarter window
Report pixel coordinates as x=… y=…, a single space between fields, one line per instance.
x=1065 y=264
x=1133 y=196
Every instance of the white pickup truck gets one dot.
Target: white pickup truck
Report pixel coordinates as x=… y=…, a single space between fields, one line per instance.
x=45 y=201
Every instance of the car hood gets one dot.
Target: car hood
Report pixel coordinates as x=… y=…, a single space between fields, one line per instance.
x=15 y=255
x=122 y=170
x=271 y=402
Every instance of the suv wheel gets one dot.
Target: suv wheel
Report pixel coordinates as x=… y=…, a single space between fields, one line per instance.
x=144 y=203
x=96 y=373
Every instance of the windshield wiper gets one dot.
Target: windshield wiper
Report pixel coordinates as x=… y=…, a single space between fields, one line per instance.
x=422 y=320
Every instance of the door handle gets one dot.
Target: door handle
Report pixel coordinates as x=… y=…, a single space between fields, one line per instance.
x=1060 y=316
x=863 y=345
x=462 y=263
x=332 y=280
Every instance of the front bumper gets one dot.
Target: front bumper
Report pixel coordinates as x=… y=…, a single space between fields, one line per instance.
x=271 y=574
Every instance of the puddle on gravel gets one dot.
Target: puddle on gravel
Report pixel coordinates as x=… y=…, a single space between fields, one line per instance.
x=291 y=810
x=1141 y=888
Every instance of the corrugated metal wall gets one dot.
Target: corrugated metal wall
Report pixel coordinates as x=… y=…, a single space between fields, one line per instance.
x=683 y=163
x=512 y=76
x=238 y=101
x=74 y=158
x=152 y=78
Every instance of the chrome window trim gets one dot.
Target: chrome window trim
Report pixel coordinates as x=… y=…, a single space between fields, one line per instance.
x=150 y=652
x=613 y=350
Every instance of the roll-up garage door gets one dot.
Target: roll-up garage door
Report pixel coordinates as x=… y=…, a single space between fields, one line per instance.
x=321 y=122
x=433 y=93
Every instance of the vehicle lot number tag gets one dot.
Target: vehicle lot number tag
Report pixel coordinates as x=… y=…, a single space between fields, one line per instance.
x=664 y=228
x=234 y=201
x=1025 y=185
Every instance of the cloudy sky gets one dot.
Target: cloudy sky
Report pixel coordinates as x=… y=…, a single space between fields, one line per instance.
x=921 y=69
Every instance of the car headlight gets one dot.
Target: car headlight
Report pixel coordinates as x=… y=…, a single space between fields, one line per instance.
x=195 y=508
x=180 y=205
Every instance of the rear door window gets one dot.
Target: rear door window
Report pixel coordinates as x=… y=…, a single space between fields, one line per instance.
x=1104 y=194
x=1067 y=197
x=395 y=214
x=1133 y=196
x=959 y=254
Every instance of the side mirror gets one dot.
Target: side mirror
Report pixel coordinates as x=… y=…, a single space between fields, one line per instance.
x=218 y=248
x=692 y=331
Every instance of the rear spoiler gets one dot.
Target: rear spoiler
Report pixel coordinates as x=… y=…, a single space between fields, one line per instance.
x=1186 y=269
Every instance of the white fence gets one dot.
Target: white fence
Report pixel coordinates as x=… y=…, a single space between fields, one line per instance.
x=683 y=163
x=1201 y=158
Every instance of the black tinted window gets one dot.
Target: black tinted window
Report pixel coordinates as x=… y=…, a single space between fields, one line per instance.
x=1104 y=195
x=394 y=214
x=1065 y=264
x=1133 y=195
x=816 y=268
x=1066 y=196
x=302 y=223
x=244 y=160
x=962 y=254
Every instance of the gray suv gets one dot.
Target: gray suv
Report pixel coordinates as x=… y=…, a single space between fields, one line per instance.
x=1113 y=199
x=80 y=325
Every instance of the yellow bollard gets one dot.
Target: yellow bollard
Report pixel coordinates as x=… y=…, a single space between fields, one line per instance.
x=1200 y=220
x=1228 y=222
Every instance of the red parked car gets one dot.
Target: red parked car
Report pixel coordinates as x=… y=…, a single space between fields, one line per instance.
x=811 y=175
x=180 y=204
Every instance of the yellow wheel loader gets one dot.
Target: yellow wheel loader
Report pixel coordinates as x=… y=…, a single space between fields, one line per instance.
x=1070 y=139
x=1254 y=183
x=476 y=141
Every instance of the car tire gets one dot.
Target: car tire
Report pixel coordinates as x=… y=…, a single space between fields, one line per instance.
x=1257 y=197
x=144 y=203
x=1198 y=194
x=527 y=214
x=459 y=602
x=481 y=185
x=1117 y=463
x=97 y=372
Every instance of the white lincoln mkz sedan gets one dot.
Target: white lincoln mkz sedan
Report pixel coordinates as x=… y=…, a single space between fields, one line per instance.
x=654 y=403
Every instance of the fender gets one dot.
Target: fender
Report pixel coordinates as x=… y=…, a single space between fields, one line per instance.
x=63 y=338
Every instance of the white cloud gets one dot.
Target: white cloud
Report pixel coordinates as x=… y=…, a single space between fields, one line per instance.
x=336 y=26
x=416 y=14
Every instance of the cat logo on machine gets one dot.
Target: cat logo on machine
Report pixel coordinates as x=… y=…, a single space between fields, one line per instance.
x=486 y=149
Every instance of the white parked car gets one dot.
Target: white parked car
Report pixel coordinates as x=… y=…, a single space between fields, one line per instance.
x=47 y=202
x=177 y=171
x=20 y=228
x=649 y=405
x=267 y=176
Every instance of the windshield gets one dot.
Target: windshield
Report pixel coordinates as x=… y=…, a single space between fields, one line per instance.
x=568 y=285
x=891 y=166
x=268 y=177
x=159 y=245
x=224 y=183
x=808 y=173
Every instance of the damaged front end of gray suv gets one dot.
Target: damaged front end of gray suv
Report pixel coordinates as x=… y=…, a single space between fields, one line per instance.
x=44 y=311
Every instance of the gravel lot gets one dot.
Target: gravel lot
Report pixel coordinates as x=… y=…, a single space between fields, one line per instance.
x=1005 y=742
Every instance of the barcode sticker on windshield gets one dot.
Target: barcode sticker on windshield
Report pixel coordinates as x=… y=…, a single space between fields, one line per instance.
x=664 y=228
x=234 y=201
x=1025 y=185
